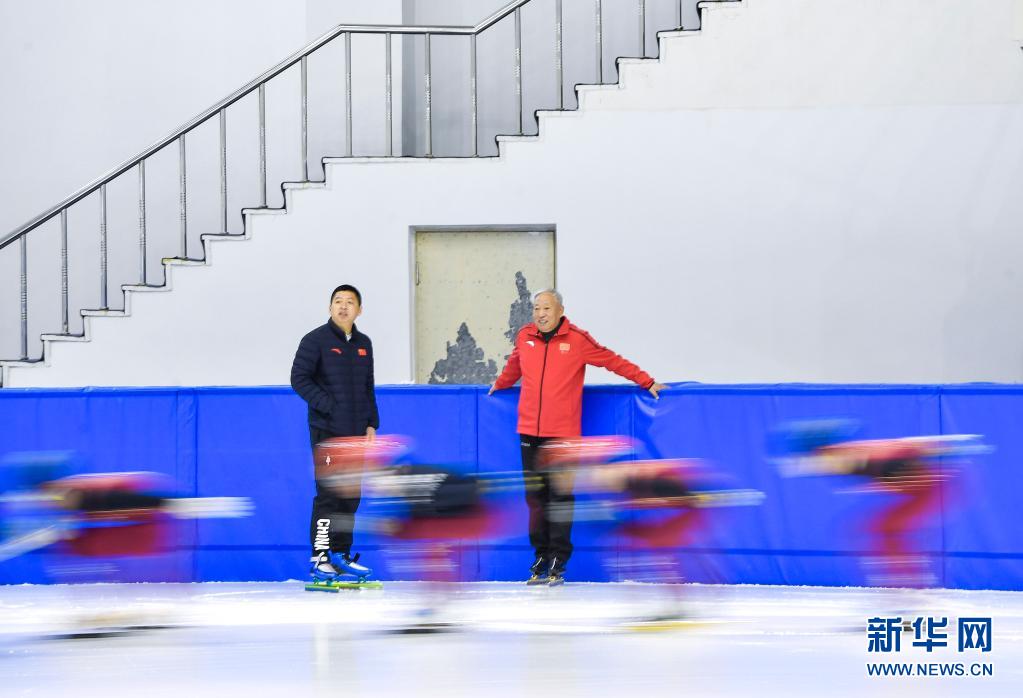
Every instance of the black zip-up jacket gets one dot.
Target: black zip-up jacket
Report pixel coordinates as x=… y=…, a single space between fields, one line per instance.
x=335 y=376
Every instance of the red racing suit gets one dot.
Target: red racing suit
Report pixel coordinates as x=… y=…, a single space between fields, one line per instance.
x=552 y=373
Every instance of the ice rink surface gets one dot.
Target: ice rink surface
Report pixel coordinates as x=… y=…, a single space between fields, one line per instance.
x=487 y=639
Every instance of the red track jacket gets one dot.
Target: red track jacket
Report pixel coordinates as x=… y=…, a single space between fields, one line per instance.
x=551 y=403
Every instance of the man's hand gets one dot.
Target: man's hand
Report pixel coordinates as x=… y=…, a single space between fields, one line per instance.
x=371 y=433
x=493 y=387
x=656 y=388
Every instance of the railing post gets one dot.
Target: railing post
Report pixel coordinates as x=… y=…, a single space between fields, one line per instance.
x=63 y=273
x=305 y=118
x=474 y=96
x=679 y=25
x=600 y=43
x=183 y=192
x=388 y=98
x=103 y=247
x=429 y=100
x=348 y=94
x=223 y=171
x=23 y=245
x=262 y=144
x=518 y=64
x=559 y=62
x=142 y=221
x=642 y=28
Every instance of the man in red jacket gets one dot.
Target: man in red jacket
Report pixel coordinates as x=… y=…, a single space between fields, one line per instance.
x=550 y=356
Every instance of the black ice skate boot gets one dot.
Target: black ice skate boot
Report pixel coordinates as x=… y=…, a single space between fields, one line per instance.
x=556 y=576
x=538 y=571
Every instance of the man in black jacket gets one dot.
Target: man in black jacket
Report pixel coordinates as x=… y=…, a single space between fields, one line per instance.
x=333 y=372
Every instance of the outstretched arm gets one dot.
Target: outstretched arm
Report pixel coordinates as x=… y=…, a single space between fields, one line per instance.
x=599 y=355
x=511 y=373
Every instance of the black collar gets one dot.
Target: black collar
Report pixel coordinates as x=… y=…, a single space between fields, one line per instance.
x=341 y=333
x=547 y=336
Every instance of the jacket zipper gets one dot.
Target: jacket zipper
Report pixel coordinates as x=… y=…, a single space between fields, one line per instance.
x=543 y=372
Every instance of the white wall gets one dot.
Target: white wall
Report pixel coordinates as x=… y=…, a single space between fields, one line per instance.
x=88 y=85
x=728 y=216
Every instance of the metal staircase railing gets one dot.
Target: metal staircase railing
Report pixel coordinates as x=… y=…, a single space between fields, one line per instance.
x=258 y=86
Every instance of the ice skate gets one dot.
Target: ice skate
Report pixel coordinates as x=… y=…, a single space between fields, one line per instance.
x=538 y=572
x=333 y=571
x=556 y=576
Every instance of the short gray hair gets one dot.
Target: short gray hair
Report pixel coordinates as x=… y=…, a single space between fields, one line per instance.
x=557 y=296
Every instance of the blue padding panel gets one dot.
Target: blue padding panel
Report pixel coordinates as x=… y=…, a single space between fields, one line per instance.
x=254 y=442
x=802 y=518
x=983 y=531
x=113 y=430
x=499 y=452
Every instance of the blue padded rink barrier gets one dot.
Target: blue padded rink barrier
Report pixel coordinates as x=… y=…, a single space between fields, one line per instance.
x=801 y=631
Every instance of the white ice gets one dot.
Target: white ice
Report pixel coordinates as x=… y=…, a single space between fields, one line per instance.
x=498 y=639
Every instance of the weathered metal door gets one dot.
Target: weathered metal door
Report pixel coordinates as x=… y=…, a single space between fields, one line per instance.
x=473 y=291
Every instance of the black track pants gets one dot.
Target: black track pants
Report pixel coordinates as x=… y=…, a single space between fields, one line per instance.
x=550 y=509
x=333 y=519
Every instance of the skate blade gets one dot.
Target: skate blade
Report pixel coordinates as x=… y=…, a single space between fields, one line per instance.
x=537 y=581
x=424 y=629
x=99 y=633
x=339 y=586
x=660 y=626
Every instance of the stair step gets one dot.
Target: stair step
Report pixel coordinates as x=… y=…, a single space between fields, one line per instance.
x=517 y=139
x=394 y=160
x=382 y=158
x=595 y=88
x=636 y=61
x=719 y=4
x=557 y=113
x=64 y=338
x=7 y=365
x=144 y=288
x=304 y=185
x=182 y=262
x=677 y=33
x=223 y=236
x=264 y=211
x=18 y=363
x=103 y=313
